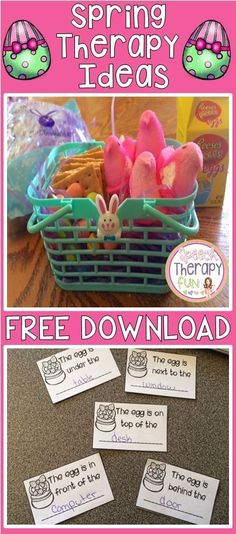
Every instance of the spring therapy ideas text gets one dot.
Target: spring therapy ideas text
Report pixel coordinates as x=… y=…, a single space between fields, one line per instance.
x=115 y=32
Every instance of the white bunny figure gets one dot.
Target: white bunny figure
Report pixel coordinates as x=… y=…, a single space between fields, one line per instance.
x=108 y=223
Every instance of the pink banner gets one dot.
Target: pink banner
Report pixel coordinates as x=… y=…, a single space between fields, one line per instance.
x=117 y=328
x=115 y=48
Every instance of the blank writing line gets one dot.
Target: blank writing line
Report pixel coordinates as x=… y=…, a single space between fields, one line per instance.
x=78 y=385
x=72 y=508
x=172 y=508
x=131 y=442
x=163 y=389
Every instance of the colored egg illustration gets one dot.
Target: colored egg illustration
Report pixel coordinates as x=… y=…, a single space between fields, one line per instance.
x=25 y=52
x=206 y=54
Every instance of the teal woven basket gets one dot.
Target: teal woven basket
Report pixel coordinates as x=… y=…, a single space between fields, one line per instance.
x=77 y=257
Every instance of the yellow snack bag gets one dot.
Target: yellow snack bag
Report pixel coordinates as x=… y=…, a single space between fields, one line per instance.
x=205 y=120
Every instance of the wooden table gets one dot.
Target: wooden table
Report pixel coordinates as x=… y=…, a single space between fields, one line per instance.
x=30 y=281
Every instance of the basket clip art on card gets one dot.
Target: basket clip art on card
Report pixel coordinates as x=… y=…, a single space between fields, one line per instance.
x=40 y=492
x=154 y=477
x=106 y=418
x=137 y=366
x=53 y=372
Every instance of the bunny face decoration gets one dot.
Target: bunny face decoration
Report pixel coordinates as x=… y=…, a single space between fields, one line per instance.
x=108 y=223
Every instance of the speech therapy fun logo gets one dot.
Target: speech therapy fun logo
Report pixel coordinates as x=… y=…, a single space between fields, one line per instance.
x=196 y=271
x=206 y=54
x=26 y=54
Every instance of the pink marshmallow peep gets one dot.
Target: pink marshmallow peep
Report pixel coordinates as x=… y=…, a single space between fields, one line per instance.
x=143 y=177
x=150 y=135
x=117 y=167
x=163 y=160
x=129 y=145
x=179 y=170
x=165 y=156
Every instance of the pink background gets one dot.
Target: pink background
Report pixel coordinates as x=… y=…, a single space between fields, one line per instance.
x=73 y=329
x=63 y=77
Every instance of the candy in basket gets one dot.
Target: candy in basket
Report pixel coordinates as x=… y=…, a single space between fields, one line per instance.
x=111 y=214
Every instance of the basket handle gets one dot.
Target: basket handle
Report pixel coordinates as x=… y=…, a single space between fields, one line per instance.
x=178 y=227
x=34 y=227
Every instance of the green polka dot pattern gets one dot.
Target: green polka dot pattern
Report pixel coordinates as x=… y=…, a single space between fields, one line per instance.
x=205 y=64
x=28 y=64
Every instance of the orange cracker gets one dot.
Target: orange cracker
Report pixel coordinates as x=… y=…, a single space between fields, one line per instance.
x=87 y=177
x=84 y=156
x=99 y=175
x=60 y=176
x=94 y=153
x=105 y=195
x=79 y=164
x=68 y=169
x=89 y=180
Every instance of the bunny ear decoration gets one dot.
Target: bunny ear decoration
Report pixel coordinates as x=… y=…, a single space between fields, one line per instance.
x=101 y=205
x=113 y=204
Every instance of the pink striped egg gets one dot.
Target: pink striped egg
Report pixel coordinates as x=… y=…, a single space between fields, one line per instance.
x=26 y=54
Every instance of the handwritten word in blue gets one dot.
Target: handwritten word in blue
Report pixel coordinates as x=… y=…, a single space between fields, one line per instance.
x=116 y=438
x=72 y=504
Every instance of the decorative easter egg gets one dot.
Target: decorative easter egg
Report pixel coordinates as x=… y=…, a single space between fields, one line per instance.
x=92 y=196
x=94 y=246
x=25 y=52
x=74 y=191
x=108 y=245
x=206 y=54
x=70 y=257
x=82 y=233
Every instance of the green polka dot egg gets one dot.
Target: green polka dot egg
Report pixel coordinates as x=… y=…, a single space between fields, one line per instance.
x=25 y=52
x=206 y=54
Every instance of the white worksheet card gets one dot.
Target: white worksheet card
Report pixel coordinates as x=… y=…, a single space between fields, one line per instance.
x=160 y=373
x=68 y=491
x=77 y=369
x=137 y=427
x=177 y=492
